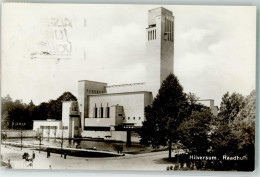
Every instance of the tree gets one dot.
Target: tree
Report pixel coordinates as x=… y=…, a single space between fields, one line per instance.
x=244 y=130
x=6 y=105
x=193 y=104
x=55 y=106
x=165 y=114
x=235 y=130
x=230 y=106
x=195 y=132
x=3 y=137
x=17 y=115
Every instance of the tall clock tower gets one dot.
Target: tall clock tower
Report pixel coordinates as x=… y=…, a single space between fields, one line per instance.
x=159 y=47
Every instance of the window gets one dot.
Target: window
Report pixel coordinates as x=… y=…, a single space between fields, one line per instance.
x=95 y=112
x=134 y=118
x=123 y=118
x=65 y=127
x=101 y=112
x=139 y=118
x=76 y=128
x=128 y=118
x=107 y=112
x=120 y=114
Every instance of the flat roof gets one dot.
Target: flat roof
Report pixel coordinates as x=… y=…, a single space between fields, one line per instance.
x=92 y=81
x=123 y=85
x=47 y=120
x=119 y=93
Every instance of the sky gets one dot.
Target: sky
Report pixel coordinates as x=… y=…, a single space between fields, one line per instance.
x=214 y=46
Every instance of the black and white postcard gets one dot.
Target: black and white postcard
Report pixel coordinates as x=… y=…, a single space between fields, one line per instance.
x=128 y=87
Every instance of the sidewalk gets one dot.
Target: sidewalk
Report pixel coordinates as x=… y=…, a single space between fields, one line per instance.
x=148 y=161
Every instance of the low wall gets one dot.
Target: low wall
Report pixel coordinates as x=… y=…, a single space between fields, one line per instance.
x=119 y=135
x=95 y=134
x=17 y=133
x=113 y=135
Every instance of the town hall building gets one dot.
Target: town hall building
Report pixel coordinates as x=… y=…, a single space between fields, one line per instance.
x=116 y=112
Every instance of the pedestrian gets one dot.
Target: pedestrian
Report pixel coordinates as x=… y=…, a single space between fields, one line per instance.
x=48 y=153
x=50 y=167
x=120 y=149
x=33 y=155
x=65 y=155
x=9 y=164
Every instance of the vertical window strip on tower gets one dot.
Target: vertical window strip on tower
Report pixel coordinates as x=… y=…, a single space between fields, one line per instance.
x=172 y=28
x=165 y=29
x=171 y=31
x=169 y=28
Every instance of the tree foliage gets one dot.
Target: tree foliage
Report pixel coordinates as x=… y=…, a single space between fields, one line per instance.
x=235 y=130
x=230 y=106
x=18 y=115
x=165 y=114
x=194 y=132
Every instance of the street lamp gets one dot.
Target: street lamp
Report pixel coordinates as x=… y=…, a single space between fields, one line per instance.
x=39 y=137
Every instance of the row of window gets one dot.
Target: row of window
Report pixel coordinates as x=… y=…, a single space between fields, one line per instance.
x=152 y=35
x=53 y=127
x=101 y=112
x=97 y=128
x=139 y=118
x=94 y=91
x=48 y=127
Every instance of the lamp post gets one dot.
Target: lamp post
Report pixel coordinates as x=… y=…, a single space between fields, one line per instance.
x=21 y=139
x=129 y=127
x=61 y=145
x=39 y=138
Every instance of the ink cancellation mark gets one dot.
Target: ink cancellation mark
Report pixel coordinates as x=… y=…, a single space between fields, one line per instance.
x=56 y=43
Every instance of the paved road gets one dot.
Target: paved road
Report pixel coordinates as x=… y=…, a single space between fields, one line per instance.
x=147 y=161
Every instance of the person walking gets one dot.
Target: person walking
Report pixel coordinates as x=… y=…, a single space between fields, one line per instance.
x=48 y=153
x=33 y=155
